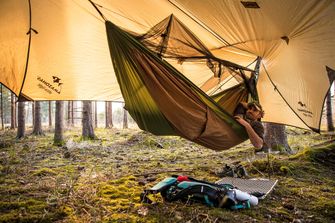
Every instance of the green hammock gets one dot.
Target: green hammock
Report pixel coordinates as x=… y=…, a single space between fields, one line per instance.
x=163 y=101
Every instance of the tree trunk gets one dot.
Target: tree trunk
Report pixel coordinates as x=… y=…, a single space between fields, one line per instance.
x=125 y=119
x=106 y=114
x=50 y=113
x=37 y=130
x=33 y=113
x=15 y=112
x=95 y=114
x=28 y=112
x=87 y=129
x=68 y=113
x=58 y=137
x=276 y=138
x=12 y=111
x=72 y=113
x=330 y=125
x=109 y=114
x=2 y=113
x=21 y=120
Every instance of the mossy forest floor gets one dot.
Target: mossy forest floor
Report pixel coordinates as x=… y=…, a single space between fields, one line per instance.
x=101 y=180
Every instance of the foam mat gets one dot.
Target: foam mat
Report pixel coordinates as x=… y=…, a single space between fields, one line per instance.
x=251 y=186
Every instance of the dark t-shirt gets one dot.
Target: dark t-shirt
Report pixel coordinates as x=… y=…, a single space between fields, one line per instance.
x=259 y=129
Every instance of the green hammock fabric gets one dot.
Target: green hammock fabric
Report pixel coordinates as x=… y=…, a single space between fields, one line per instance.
x=163 y=101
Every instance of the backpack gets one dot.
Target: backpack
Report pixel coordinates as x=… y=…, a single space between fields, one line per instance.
x=187 y=189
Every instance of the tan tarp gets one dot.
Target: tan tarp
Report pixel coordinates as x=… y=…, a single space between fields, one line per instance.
x=69 y=57
x=297 y=69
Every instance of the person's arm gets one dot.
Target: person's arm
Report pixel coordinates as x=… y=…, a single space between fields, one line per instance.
x=256 y=141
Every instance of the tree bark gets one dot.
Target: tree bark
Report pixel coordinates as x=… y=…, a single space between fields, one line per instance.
x=2 y=113
x=330 y=125
x=37 y=130
x=68 y=113
x=15 y=112
x=87 y=126
x=50 y=113
x=276 y=138
x=59 y=125
x=95 y=114
x=28 y=112
x=72 y=113
x=12 y=112
x=21 y=120
x=33 y=113
x=125 y=119
x=109 y=114
x=106 y=114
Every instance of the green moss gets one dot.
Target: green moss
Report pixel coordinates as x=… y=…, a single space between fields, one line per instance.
x=29 y=204
x=123 y=180
x=26 y=217
x=44 y=172
x=122 y=217
x=30 y=210
x=59 y=143
x=67 y=210
x=13 y=216
x=324 y=206
x=285 y=170
x=88 y=193
x=301 y=154
x=284 y=214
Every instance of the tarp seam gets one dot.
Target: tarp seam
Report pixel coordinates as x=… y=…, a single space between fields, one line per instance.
x=276 y=88
x=28 y=50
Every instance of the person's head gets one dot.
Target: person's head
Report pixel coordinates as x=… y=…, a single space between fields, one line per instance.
x=254 y=111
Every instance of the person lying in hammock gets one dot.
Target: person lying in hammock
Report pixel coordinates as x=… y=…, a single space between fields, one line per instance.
x=249 y=115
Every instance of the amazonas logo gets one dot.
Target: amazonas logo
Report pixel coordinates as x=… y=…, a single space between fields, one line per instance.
x=54 y=86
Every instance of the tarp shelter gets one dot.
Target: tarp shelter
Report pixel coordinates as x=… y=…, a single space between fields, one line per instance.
x=58 y=49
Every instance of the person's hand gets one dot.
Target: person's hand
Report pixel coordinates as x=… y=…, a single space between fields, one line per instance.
x=241 y=120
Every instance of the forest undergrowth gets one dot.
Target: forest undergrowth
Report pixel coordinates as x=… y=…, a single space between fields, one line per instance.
x=101 y=180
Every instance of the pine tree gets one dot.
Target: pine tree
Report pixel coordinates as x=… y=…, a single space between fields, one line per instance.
x=109 y=114
x=59 y=125
x=87 y=125
x=37 y=129
x=330 y=125
x=21 y=120
x=276 y=137
x=2 y=107
x=50 y=113
x=12 y=112
x=125 y=119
